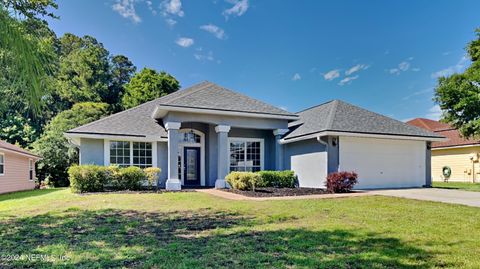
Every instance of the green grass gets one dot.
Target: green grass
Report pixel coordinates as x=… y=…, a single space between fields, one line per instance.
x=465 y=186
x=195 y=230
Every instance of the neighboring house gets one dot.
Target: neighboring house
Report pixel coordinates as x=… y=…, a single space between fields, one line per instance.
x=17 y=168
x=199 y=134
x=459 y=154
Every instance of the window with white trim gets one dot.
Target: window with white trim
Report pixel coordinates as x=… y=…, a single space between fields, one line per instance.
x=2 y=164
x=127 y=153
x=31 y=166
x=246 y=155
x=142 y=154
x=120 y=153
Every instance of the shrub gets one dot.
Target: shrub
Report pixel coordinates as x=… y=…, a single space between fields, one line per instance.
x=87 y=178
x=340 y=182
x=244 y=181
x=152 y=174
x=131 y=178
x=277 y=179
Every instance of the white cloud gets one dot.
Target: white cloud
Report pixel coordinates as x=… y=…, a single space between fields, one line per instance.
x=446 y=53
x=420 y=92
x=434 y=113
x=356 y=68
x=238 y=9
x=459 y=67
x=402 y=67
x=184 y=42
x=215 y=30
x=126 y=9
x=415 y=69
x=170 y=21
x=347 y=80
x=150 y=7
x=204 y=57
x=173 y=7
x=296 y=77
x=332 y=74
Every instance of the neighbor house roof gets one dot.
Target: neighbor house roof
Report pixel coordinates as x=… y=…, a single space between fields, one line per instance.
x=12 y=148
x=338 y=116
x=138 y=121
x=454 y=137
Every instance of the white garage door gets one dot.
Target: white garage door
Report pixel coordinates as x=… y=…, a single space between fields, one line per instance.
x=384 y=163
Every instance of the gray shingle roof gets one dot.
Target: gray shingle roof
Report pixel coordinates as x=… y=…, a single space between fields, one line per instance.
x=207 y=95
x=138 y=121
x=343 y=117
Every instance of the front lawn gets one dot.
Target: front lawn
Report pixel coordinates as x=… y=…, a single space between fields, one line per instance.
x=464 y=186
x=196 y=230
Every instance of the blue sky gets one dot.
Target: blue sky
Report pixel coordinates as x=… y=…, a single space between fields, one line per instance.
x=381 y=55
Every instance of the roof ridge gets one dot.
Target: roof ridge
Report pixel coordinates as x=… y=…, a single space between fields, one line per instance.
x=200 y=86
x=312 y=107
x=331 y=115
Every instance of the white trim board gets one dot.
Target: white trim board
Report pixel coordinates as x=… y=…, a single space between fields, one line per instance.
x=75 y=138
x=3 y=154
x=379 y=136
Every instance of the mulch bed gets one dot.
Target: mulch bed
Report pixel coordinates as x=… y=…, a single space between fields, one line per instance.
x=278 y=192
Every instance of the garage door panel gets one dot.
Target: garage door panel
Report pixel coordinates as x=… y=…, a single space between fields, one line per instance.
x=384 y=163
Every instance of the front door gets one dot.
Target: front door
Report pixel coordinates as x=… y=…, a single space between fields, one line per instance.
x=191 y=165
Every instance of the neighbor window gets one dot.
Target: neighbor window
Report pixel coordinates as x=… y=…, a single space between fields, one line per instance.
x=246 y=155
x=31 y=166
x=125 y=153
x=2 y=164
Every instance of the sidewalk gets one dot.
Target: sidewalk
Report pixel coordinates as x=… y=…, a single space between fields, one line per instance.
x=238 y=197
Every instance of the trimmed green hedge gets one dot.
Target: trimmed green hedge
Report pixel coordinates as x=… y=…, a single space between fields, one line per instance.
x=95 y=178
x=263 y=179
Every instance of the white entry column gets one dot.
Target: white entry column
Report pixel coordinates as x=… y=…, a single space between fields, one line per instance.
x=222 y=146
x=173 y=183
x=278 y=133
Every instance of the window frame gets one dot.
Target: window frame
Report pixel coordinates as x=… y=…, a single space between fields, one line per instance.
x=31 y=168
x=106 y=153
x=3 y=164
x=245 y=140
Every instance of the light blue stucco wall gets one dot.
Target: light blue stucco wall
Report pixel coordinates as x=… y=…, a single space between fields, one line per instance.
x=301 y=147
x=91 y=151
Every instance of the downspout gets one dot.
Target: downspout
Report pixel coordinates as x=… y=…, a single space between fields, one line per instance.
x=319 y=139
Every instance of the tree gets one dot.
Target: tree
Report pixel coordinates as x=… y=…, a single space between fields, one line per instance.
x=84 y=73
x=54 y=148
x=122 y=70
x=459 y=94
x=21 y=51
x=148 y=85
x=16 y=129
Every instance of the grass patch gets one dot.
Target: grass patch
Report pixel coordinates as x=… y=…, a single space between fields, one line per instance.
x=196 y=230
x=464 y=186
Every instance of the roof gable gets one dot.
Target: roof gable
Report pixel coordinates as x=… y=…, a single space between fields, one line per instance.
x=10 y=147
x=339 y=116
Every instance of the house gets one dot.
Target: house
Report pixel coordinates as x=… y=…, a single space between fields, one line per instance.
x=17 y=168
x=199 y=134
x=458 y=156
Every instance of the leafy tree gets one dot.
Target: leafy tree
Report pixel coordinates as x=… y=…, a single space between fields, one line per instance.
x=21 y=52
x=83 y=75
x=16 y=129
x=54 y=148
x=122 y=70
x=459 y=94
x=148 y=85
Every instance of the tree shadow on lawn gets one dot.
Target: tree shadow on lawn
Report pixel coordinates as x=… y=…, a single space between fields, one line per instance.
x=193 y=239
x=26 y=194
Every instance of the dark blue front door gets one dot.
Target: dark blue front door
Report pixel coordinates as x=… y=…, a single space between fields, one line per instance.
x=191 y=166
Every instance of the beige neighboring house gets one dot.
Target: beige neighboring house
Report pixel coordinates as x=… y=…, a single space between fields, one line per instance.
x=17 y=168
x=460 y=155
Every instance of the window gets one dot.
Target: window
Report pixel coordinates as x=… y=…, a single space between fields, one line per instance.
x=142 y=154
x=2 y=164
x=246 y=155
x=126 y=153
x=31 y=166
x=190 y=137
x=120 y=153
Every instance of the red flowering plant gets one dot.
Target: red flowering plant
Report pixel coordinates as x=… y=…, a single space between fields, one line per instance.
x=341 y=182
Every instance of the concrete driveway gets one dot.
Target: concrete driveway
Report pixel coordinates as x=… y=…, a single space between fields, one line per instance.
x=469 y=198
